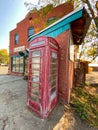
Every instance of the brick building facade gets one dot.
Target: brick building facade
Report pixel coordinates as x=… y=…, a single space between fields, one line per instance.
x=31 y=24
x=68 y=26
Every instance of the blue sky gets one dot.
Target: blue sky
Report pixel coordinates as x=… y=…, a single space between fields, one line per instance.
x=11 y=12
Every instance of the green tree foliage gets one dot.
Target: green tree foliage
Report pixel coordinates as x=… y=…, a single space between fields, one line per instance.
x=4 y=56
x=90 y=6
x=54 y=2
x=89 y=49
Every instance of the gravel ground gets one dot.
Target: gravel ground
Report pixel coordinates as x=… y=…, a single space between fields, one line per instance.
x=14 y=114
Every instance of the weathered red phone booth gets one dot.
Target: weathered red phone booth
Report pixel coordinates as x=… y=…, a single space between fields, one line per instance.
x=43 y=75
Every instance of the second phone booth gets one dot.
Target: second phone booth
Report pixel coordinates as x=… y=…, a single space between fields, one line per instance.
x=43 y=75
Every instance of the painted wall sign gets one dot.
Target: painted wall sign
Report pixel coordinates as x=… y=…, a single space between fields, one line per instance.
x=21 y=48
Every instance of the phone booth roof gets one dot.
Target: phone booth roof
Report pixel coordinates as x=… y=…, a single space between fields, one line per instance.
x=43 y=41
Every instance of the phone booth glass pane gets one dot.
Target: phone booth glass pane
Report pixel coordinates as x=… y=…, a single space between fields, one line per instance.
x=35 y=78
x=53 y=74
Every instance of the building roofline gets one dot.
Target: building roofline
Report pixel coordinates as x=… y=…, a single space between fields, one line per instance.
x=58 y=21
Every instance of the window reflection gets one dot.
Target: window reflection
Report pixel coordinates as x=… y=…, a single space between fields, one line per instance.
x=17 y=64
x=35 y=92
x=36 y=53
x=53 y=72
x=53 y=83
x=34 y=98
x=35 y=85
x=35 y=79
x=36 y=60
x=36 y=72
x=36 y=66
x=16 y=39
x=30 y=31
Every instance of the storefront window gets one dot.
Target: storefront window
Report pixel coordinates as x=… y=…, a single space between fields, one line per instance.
x=21 y=65
x=17 y=64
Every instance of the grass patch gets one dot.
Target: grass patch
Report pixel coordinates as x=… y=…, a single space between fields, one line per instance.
x=86 y=104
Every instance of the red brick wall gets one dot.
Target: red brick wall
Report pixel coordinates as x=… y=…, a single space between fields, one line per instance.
x=22 y=31
x=63 y=41
x=70 y=78
x=66 y=68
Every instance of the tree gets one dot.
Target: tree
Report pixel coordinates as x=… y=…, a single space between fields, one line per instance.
x=4 y=56
x=30 y=6
x=91 y=38
x=42 y=3
x=54 y=2
x=92 y=9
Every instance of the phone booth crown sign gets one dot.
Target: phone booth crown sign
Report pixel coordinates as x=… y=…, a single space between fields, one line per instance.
x=43 y=75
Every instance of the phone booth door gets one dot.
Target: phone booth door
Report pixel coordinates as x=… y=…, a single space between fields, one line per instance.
x=34 y=84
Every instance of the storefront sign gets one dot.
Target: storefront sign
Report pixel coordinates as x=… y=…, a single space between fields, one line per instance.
x=21 y=48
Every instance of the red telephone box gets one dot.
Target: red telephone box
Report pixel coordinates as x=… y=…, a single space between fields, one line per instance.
x=43 y=75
